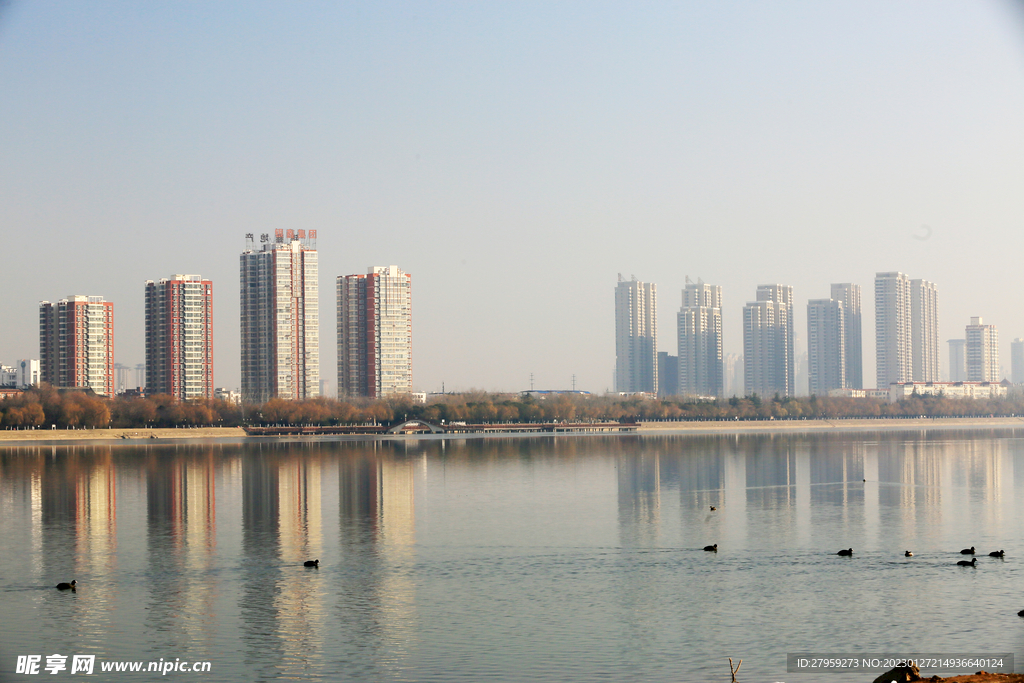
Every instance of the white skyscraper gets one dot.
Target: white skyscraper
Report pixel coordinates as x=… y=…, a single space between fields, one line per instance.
x=826 y=346
x=924 y=331
x=768 y=359
x=849 y=295
x=280 y=317
x=906 y=330
x=700 y=341
x=636 y=342
x=893 y=351
x=982 y=352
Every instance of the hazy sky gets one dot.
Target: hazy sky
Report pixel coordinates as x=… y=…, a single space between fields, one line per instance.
x=514 y=157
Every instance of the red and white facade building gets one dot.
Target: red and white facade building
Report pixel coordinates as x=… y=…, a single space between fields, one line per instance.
x=375 y=333
x=76 y=343
x=179 y=337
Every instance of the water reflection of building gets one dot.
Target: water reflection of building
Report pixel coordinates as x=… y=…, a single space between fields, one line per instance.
x=282 y=526
x=377 y=497
x=74 y=501
x=377 y=529
x=97 y=513
x=299 y=508
x=181 y=534
x=639 y=477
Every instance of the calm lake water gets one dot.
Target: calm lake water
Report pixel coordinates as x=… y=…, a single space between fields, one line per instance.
x=520 y=559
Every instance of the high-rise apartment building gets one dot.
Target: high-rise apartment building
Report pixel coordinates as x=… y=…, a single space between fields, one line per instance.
x=906 y=330
x=700 y=341
x=957 y=360
x=849 y=295
x=76 y=343
x=826 y=346
x=1017 y=361
x=375 y=333
x=179 y=337
x=924 y=330
x=636 y=341
x=768 y=359
x=280 y=317
x=893 y=351
x=982 y=352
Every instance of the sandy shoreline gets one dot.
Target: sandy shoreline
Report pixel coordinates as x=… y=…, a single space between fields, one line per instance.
x=9 y=436
x=854 y=425
x=119 y=435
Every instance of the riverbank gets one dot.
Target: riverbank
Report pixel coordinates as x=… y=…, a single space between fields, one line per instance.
x=696 y=427
x=23 y=435
x=838 y=425
x=981 y=678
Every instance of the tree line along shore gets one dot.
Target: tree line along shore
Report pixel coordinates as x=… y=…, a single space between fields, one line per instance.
x=45 y=406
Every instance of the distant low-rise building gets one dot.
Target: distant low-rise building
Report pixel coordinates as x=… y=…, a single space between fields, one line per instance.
x=900 y=391
x=847 y=392
x=225 y=394
x=29 y=373
x=544 y=393
x=8 y=376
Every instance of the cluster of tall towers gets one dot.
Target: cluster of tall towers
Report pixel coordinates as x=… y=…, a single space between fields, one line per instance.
x=280 y=330
x=906 y=324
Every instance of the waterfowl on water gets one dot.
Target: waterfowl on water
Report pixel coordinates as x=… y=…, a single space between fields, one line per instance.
x=713 y=508
x=997 y=553
x=67 y=586
x=711 y=548
x=967 y=551
x=908 y=554
x=311 y=563
x=965 y=563
x=1020 y=613
x=845 y=553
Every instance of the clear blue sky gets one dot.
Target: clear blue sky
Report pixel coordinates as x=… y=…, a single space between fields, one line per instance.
x=514 y=157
